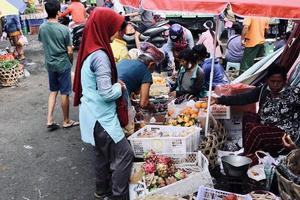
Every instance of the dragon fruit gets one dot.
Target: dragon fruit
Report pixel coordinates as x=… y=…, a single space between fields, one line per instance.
x=171 y=169
x=149 y=168
x=161 y=182
x=180 y=174
x=164 y=160
x=170 y=180
x=162 y=170
x=150 y=157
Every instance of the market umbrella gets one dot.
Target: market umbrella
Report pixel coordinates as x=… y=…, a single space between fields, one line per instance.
x=19 y=4
x=7 y=9
x=289 y=9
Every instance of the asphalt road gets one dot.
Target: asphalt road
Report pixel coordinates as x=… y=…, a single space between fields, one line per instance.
x=34 y=163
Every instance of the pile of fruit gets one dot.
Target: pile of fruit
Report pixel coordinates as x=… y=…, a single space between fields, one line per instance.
x=7 y=56
x=187 y=118
x=160 y=171
x=158 y=80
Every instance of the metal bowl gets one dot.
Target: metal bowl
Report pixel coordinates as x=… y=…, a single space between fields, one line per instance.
x=236 y=165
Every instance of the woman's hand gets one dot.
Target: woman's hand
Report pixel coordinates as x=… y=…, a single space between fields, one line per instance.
x=122 y=84
x=288 y=142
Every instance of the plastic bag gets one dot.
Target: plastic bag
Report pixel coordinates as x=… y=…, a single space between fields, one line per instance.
x=175 y=109
x=129 y=129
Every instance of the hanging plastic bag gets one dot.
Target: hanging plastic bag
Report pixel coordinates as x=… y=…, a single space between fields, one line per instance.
x=129 y=129
x=23 y=41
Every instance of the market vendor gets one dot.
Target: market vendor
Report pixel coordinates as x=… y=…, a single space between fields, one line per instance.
x=136 y=74
x=279 y=106
x=220 y=77
x=12 y=29
x=179 y=39
x=190 y=77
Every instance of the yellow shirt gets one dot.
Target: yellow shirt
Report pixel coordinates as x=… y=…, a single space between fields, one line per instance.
x=256 y=31
x=119 y=49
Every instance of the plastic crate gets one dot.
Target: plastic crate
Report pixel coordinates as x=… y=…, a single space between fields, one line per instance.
x=205 y=193
x=193 y=162
x=164 y=145
x=35 y=22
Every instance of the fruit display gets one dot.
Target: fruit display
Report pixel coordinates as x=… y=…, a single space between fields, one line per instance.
x=187 y=118
x=160 y=171
x=149 y=132
x=7 y=56
x=158 y=80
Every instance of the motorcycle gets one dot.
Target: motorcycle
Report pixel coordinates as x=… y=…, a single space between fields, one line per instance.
x=76 y=31
x=156 y=34
x=76 y=34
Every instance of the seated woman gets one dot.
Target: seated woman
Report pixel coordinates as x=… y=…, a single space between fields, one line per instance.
x=220 y=77
x=278 y=113
x=190 y=77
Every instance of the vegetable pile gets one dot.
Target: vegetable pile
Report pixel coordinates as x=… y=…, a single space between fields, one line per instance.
x=8 y=64
x=160 y=171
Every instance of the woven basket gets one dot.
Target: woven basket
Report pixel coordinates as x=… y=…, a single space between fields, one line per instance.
x=9 y=77
x=288 y=189
x=213 y=142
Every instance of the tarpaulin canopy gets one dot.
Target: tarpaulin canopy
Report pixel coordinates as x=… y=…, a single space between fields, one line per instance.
x=7 y=9
x=266 y=8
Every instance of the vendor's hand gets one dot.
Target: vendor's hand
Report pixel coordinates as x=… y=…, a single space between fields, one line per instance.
x=213 y=100
x=288 y=142
x=243 y=42
x=172 y=94
x=4 y=36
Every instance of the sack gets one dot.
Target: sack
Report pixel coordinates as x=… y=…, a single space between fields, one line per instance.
x=122 y=110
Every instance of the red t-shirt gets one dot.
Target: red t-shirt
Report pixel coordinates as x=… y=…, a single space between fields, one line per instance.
x=77 y=10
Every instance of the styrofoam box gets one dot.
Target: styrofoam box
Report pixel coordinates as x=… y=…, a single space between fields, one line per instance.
x=170 y=144
x=222 y=115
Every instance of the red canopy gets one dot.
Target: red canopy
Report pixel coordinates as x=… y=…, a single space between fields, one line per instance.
x=267 y=8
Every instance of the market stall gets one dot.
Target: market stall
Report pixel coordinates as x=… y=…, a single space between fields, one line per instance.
x=191 y=113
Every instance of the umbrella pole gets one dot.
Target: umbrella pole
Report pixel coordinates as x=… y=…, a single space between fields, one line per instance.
x=217 y=20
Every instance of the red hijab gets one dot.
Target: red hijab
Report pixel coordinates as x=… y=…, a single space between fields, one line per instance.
x=102 y=24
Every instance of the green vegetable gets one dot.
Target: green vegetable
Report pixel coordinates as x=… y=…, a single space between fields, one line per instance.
x=8 y=64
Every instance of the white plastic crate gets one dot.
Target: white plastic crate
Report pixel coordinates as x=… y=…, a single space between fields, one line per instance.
x=193 y=162
x=205 y=193
x=165 y=145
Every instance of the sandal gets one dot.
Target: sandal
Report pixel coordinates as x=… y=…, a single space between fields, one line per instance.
x=71 y=124
x=53 y=126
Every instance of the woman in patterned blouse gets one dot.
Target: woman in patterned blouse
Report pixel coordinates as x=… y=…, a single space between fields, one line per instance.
x=278 y=115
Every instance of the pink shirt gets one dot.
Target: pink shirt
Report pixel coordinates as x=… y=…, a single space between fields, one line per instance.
x=207 y=40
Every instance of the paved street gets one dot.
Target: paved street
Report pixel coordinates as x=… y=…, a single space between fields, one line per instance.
x=34 y=163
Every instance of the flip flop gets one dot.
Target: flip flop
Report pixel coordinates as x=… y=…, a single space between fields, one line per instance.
x=71 y=124
x=53 y=126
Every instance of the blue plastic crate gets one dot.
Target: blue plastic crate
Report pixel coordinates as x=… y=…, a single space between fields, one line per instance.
x=35 y=22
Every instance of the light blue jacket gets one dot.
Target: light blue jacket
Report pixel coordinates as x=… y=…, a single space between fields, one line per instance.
x=95 y=107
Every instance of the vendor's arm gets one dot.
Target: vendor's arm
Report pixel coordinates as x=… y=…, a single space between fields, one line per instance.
x=170 y=50
x=190 y=39
x=251 y=96
x=66 y=12
x=198 y=84
x=100 y=65
x=246 y=25
x=144 y=95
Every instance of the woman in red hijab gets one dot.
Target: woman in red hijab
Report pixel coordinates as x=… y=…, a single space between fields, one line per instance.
x=96 y=90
